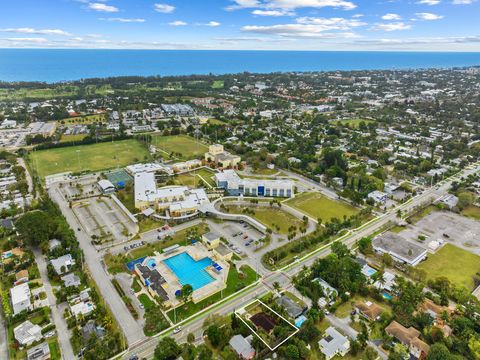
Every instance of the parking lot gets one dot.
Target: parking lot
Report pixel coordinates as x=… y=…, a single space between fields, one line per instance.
x=103 y=219
x=240 y=236
x=449 y=227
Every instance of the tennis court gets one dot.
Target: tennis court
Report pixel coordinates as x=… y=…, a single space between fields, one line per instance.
x=119 y=176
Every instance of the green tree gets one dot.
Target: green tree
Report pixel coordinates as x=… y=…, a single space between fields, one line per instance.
x=214 y=335
x=34 y=227
x=167 y=349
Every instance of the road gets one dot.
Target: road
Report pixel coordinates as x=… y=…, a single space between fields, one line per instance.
x=146 y=349
x=3 y=338
x=58 y=319
x=131 y=329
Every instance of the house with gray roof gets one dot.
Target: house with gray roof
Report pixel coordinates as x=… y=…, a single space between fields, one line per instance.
x=39 y=352
x=242 y=346
x=62 y=264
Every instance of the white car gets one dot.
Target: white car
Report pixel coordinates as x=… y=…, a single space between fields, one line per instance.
x=177 y=330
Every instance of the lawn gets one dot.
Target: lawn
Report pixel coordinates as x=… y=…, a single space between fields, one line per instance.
x=235 y=282
x=273 y=217
x=472 y=212
x=458 y=265
x=354 y=123
x=101 y=156
x=218 y=84
x=72 y=138
x=84 y=120
x=180 y=146
x=319 y=206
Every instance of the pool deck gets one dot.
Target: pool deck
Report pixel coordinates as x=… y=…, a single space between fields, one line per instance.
x=197 y=251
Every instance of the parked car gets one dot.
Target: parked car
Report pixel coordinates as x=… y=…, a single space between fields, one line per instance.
x=177 y=330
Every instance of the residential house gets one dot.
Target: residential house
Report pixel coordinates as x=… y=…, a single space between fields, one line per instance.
x=39 y=352
x=20 y=296
x=369 y=310
x=243 y=347
x=70 y=280
x=410 y=337
x=334 y=344
x=63 y=264
x=27 y=333
x=293 y=309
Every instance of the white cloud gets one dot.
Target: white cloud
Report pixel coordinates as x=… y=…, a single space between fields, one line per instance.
x=177 y=23
x=123 y=20
x=393 y=26
x=311 y=27
x=391 y=16
x=429 y=2
x=212 y=24
x=463 y=2
x=428 y=16
x=164 y=8
x=291 y=4
x=259 y=12
x=28 y=40
x=37 y=31
x=102 y=7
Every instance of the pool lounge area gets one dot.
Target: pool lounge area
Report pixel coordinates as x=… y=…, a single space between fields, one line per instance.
x=190 y=271
x=164 y=274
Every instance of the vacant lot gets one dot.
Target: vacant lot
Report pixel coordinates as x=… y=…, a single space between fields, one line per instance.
x=72 y=138
x=273 y=217
x=456 y=264
x=318 y=206
x=93 y=157
x=180 y=146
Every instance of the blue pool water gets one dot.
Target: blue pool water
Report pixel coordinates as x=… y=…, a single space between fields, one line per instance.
x=189 y=271
x=151 y=263
x=387 y=296
x=370 y=271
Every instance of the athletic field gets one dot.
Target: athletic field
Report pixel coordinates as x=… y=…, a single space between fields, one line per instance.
x=179 y=146
x=94 y=157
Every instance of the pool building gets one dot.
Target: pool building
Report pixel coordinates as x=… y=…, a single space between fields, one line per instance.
x=164 y=274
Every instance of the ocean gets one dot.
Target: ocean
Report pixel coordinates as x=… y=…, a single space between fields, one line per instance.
x=54 y=65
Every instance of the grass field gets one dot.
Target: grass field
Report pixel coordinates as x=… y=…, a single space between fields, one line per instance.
x=72 y=138
x=319 y=206
x=182 y=146
x=353 y=122
x=446 y=262
x=93 y=157
x=472 y=212
x=273 y=217
x=84 y=120
x=218 y=84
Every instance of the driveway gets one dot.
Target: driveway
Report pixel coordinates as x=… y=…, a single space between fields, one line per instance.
x=57 y=315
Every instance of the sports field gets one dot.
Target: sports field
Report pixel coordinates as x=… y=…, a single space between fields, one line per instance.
x=318 y=206
x=181 y=146
x=196 y=178
x=84 y=120
x=445 y=262
x=93 y=157
x=273 y=217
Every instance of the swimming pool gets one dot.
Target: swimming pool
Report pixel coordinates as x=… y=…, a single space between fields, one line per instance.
x=387 y=296
x=189 y=271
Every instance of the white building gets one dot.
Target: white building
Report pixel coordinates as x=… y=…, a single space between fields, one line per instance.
x=235 y=186
x=20 y=296
x=63 y=264
x=106 y=187
x=378 y=196
x=27 y=333
x=334 y=344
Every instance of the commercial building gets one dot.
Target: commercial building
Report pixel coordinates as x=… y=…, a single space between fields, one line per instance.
x=217 y=154
x=334 y=344
x=399 y=248
x=45 y=129
x=39 y=352
x=235 y=186
x=175 y=201
x=106 y=187
x=20 y=296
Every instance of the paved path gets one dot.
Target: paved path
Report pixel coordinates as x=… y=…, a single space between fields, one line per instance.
x=58 y=319
x=131 y=329
x=3 y=339
x=21 y=162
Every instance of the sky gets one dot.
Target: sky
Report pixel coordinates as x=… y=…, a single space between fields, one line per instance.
x=408 y=25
